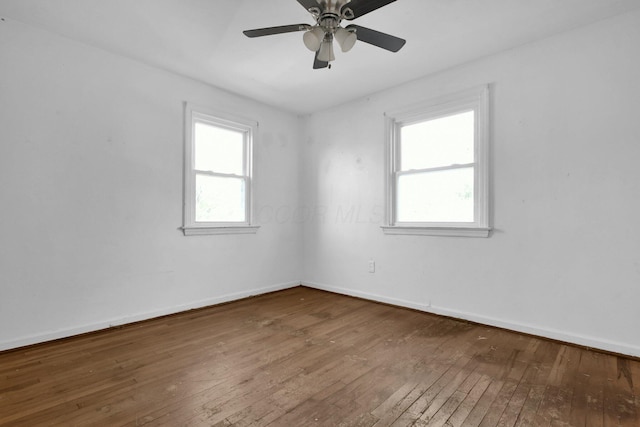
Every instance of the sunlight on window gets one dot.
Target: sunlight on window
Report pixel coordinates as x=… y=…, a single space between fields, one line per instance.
x=218 y=173
x=439 y=142
x=442 y=196
x=218 y=150
x=437 y=181
x=220 y=199
x=432 y=186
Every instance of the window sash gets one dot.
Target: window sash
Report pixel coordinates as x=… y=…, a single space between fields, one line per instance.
x=397 y=144
x=425 y=173
x=475 y=100
x=222 y=125
x=248 y=129
x=246 y=182
x=436 y=169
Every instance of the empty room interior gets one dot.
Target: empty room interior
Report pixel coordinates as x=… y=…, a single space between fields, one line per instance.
x=320 y=213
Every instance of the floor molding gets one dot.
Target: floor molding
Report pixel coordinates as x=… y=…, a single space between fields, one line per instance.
x=581 y=340
x=120 y=321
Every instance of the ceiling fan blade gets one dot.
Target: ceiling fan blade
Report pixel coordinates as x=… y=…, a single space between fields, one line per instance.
x=362 y=7
x=259 y=32
x=308 y=4
x=317 y=64
x=377 y=38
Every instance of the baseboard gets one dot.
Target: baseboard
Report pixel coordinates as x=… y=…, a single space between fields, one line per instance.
x=65 y=333
x=367 y=296
x=581 y=340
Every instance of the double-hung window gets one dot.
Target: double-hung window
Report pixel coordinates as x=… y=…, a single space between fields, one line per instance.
x=437 y=174
x=218 y=178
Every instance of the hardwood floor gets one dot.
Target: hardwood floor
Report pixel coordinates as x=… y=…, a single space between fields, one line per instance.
x=303 y=357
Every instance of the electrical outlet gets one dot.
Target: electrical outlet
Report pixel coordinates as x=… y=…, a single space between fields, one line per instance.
x=372 y=266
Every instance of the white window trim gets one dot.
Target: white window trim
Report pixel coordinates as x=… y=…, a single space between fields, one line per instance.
x=190 y=226
x=476 y=99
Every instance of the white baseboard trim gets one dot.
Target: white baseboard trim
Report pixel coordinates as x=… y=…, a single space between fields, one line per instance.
x=65 y=333
x=367 y=296
x=582 y=340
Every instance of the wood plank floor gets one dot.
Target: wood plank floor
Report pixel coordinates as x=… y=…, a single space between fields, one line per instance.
x=303 y=357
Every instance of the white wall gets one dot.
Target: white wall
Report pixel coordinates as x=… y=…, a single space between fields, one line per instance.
x=91 y=192
x=91 y=163
x=564 y=259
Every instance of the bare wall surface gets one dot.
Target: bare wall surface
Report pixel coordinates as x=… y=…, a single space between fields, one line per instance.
x=564 y=258
x=91 y=194
x=91 y=164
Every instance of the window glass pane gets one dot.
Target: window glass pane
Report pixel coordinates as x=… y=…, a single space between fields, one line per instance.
x=439 y=142
x=218 y=149
x=441 y=196
x=220 y=199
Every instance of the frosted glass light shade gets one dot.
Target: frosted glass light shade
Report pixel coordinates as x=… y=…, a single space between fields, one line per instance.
x=346 y=39
x=313 y=38
x=326 y=51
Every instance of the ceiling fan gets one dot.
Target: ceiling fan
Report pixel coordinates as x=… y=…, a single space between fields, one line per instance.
x=328 y=15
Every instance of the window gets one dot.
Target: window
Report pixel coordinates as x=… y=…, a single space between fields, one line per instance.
x=437 y=178
x=217 y=177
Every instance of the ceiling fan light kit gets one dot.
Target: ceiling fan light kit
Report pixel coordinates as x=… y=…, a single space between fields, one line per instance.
x=328 y=15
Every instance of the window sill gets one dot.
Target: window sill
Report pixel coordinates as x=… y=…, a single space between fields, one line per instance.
x=437 y=231
x=236 y=229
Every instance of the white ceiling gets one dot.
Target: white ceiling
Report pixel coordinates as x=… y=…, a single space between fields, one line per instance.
x=203 y=39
